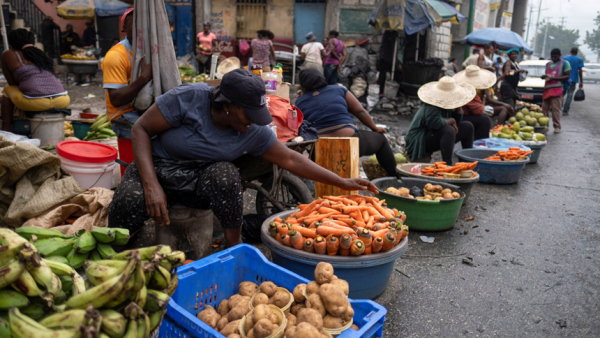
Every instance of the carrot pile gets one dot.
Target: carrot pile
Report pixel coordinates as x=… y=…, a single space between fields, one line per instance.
x=439 y=168
x=345 y=225
x=499 y=127
x=512 y=154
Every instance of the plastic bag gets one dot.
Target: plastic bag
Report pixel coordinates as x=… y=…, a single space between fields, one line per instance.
x=244 y=47
x=579 y=95
x=358 y=87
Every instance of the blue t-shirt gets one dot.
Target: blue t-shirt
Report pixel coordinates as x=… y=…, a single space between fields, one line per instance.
x=327 y=109
x=576 y=63
x=195 y=137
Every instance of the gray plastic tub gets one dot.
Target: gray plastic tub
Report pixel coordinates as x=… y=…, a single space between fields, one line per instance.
x=465 y=184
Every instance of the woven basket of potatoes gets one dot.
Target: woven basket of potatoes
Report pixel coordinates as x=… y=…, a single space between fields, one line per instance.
x=437 y=193
x=264 y=321
x=269 y=293
x=322 y=303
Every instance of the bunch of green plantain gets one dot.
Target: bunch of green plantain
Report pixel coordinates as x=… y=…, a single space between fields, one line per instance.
x=101 y=128
x=74 y=250
x=124 y=295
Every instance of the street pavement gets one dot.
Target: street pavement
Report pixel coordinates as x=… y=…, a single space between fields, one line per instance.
x=533 y=250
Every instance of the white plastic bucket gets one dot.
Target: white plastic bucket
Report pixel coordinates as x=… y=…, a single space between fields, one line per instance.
x=391 y=89
x=90 y=175
x=49 y=128
x=116 y=178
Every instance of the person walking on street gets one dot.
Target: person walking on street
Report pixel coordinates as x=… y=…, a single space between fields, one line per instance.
x=89 y=35
x=485 y=60
x=48 y=30
x=576 y=77
x=335 y=57
x=557 y=71
x=472 y=60
x=511 y=74
x=206 y=41
x=312 y=53
x=262 y=48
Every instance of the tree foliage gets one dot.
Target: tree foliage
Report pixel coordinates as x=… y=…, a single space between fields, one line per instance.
x=558 y=37
x=592 y=39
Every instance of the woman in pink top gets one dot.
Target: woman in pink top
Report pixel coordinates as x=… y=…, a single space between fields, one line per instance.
x=206 y=41
x=261 y=48
x=335 y=56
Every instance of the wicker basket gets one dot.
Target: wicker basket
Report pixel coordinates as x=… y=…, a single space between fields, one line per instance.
x=373 y=170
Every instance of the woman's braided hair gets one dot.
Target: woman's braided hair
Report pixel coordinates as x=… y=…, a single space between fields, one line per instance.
x=20 y=37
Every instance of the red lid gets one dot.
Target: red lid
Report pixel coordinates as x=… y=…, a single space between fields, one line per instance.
x=87 y=152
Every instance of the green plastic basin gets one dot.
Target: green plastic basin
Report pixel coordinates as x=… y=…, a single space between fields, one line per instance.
x=421 y=215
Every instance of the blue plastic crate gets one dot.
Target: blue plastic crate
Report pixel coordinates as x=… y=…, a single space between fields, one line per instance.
x=214 y=278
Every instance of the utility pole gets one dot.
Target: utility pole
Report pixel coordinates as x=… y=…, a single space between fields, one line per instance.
x=545 y=38
x=470 y=24
x=529 y=23
x=562 y=21
x=537 y=22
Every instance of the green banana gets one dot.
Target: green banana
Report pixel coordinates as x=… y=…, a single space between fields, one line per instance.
x=54 y=246
x=65 y=270
x=106 y=251
x=100 y=271
x=141 y=297
x=100 y=120
x=30 y=257
x=94 y=255
x=60 y=259
x=155 y=318
x=113 y=323
x=21 y=326
x=165 y=264
x=4 y=328
x=140 y=278
x=76 y=259
x=124 y=294
x=161 y=278
x=67 y=283
x=145 y=253
x=67 y=319
x=143 y=329
x=173 y=285
x=121 y=236
x=104 y=235
x=34 y=311
x=44 y=276
x=26 y=285
x=61 y=298
x=104 y=335
x=108 y=130
x=11 y=298
x=132 y=328
x=9 y=237
x=102 y=126
x=40 y=233
x=85 y=243
x=176 y=258
x=9 y=251
x=103 y=293
x=156 y=300
x=10 y=272
x=148 y=271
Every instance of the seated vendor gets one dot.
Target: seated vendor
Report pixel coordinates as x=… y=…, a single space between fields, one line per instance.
x=29 y=72
x=474 y=111
x=492 y=106
x=120 y=93
x=184 y=145
x=330 y=108
x=438 y=124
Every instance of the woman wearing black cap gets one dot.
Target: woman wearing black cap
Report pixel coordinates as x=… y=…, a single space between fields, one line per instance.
x=330 y=109
x=183 y=148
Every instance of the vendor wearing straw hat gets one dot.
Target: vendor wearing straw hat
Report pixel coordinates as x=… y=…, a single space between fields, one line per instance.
x=437 y=125
x=475 y=110
x=483 y=103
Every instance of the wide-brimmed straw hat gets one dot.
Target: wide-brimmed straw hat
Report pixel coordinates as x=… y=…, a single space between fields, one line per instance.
x=227 y=65
x=476 y=77
x=447 y=93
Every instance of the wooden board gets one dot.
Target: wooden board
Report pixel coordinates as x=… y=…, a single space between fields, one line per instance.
x=340 y=156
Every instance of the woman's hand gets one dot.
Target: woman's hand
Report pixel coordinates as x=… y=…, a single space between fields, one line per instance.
x=452 y=122
x=156 y=203
x=350 y=184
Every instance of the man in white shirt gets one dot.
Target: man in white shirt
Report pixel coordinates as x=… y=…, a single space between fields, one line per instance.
x=312 y=53
x=471 y=60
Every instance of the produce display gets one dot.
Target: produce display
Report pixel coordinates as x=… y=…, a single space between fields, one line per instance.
x=430 y=192
x=125 y=294
x=265 y=310
x=345 y=225
x=69 y=129
x=439 y=169
x=188 y=75
x=100 y=129
x=512 y=154
x=517 y=132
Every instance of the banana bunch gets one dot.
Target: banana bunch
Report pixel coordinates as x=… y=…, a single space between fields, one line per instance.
x=74 y=250
x=69 y=129
x=125 y=294
x=100 y=129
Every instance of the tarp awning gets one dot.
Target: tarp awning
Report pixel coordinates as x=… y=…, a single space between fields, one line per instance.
x=417 y=17
x=445 y=12
x=388 y=15
x=87 y=9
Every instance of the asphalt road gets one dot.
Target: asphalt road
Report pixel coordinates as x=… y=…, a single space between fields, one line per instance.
x=535 y=250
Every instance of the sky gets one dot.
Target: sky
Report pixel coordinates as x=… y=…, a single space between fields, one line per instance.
x=579 y=14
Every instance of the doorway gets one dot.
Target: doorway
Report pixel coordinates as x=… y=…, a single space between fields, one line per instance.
x=309 y=16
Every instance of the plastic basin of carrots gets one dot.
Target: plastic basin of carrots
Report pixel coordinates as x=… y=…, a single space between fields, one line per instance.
x=438 y=169
x=512 y=154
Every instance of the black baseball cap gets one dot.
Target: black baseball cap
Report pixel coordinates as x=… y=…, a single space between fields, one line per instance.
x=248 y=90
